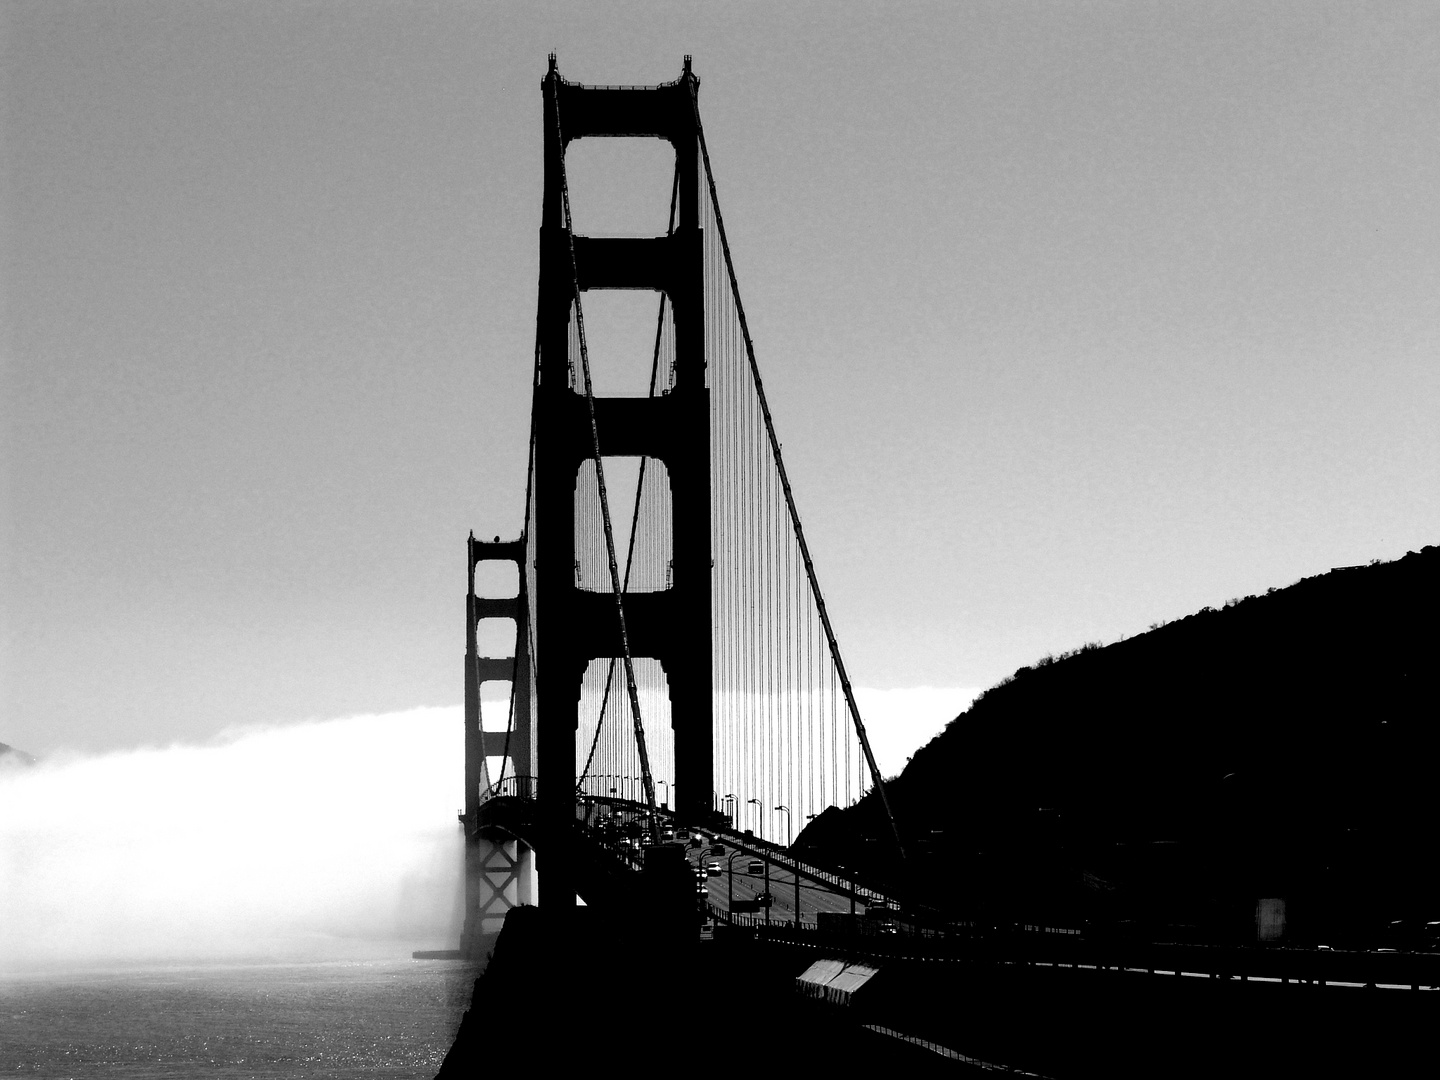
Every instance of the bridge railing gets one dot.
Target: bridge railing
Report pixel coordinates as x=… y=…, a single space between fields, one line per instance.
x=1296 y=967
x=778 y=855
x=512 y=787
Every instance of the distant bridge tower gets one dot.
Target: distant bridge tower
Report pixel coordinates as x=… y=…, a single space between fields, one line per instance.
x=499 y=869
x=574 y=626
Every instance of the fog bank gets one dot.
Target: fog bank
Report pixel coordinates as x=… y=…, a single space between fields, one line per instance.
x=320 y=840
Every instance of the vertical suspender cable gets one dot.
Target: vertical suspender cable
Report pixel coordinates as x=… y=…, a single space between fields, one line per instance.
x=523 y=599
x=789 y=496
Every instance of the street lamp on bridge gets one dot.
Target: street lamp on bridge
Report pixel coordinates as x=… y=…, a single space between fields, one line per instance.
x=730 y=798
x=795 y=866
x=730 y=890
x=703 y=852
x=760 y=807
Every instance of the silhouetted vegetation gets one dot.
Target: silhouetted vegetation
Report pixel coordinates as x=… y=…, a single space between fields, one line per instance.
x=1283 y=746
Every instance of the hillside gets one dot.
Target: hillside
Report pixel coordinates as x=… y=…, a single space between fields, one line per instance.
x=1283 y=746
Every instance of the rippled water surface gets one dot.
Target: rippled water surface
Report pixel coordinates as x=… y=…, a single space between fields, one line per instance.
x=388 y=1018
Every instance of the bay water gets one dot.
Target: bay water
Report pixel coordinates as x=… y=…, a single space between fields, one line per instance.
x=337 y=1020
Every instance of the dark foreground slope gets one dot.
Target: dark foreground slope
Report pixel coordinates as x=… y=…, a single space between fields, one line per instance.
x=600 y=1000
x=1282 y=747
x=597 y=997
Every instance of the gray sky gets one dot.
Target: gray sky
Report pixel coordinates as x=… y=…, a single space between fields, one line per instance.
x=1074 y=317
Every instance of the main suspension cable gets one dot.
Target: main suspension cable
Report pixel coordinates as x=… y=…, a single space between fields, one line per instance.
x=523 y=637
x=789 y=495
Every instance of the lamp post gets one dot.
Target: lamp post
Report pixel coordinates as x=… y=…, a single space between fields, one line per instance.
x=812 y=817
x=761 y=811
x=730 y=798
x=666 y=804
x=794 y=870
x=730 y=888
x=760 y=808
x=850 y=882
x=703 y=852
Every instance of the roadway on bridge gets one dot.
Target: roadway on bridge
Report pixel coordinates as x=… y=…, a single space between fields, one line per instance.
x=735 y=878
x=748 y=885
x=782 y=890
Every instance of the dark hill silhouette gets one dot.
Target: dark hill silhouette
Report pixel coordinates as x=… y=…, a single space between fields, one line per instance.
x=1284 y=746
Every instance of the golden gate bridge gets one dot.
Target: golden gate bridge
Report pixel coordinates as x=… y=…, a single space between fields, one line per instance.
x=695 y=674
x=672 y=695
x=675 y=685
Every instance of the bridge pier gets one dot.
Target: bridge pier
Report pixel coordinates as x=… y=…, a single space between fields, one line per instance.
x=500 y=875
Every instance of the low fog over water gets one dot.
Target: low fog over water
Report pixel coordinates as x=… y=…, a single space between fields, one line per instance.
x=326 y=840
x=323 y=840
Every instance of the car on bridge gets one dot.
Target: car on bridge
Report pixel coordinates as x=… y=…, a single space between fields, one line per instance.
x=712 y=869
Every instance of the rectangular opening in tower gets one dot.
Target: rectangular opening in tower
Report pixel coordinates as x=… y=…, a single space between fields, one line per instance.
x=497 y=578
x=630 y=343
x=495 y=637
x=639 y=496
x=607 y=756
x=620 y=186
x=495 y=706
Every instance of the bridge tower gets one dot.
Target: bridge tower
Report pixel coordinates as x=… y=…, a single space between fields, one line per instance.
x=574 y=626
x=499 y=869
